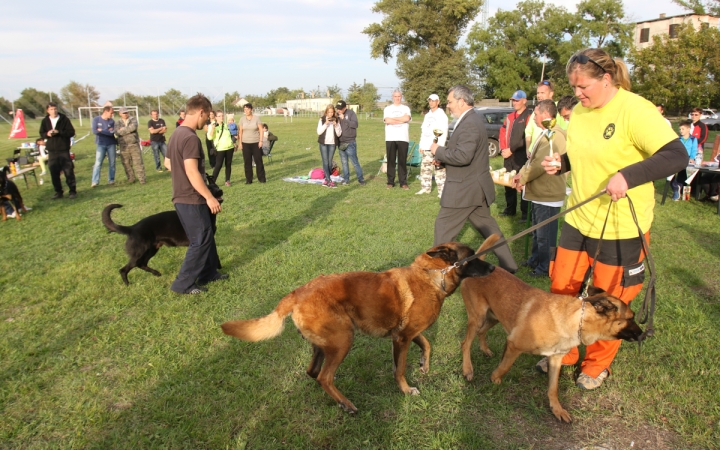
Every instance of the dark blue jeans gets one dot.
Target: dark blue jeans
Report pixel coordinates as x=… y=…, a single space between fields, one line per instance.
x=351 y=153
x=158 y=148
x=327 y=152
x=544 y=238
x=201 y=257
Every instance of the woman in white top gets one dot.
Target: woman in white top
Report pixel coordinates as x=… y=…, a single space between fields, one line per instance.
x=329 y=132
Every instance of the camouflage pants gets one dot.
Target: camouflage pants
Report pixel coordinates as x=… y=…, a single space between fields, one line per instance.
x=426 y=174
x=133 y=163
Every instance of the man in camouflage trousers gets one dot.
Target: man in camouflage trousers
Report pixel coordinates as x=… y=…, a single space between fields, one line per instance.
x=435 y=119
x=129 y=146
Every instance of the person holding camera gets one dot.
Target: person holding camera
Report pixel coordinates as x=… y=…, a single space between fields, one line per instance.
x=329 y=132
x=209 y=144
x=57 y=130
x=219 y=133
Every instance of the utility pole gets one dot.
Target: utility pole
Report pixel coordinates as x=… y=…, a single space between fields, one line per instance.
x=158 y=97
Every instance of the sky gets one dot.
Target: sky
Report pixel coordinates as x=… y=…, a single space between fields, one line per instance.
x=213 y=46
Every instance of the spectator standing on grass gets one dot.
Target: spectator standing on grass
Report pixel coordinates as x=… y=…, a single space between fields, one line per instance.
x=157 y=129
x=103 y=126
x=513 y=149
x=219 y=133
x=699 y=129
x=181 y=119
x=129 y=146
x=545 y=91
x=616 y=141
x=193 y=201
x=397 y=119
x=250 y=135
x=329 y=132
x=546 y=192
x=57 y=130
x=435 y=119
x=348 y=144
x=565 y=106
x=691 y=145
x=467 y=162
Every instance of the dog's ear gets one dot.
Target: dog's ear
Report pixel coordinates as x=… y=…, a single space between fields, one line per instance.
x=602 y=304
x=594 y=290
x=489 y=242
x=447 y=254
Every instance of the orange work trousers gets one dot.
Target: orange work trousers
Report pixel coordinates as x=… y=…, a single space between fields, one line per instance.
x=619 y=271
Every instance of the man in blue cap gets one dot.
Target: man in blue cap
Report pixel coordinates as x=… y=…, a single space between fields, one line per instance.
x=513 y=149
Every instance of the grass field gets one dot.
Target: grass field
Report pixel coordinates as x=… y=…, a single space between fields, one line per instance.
x=86 y=362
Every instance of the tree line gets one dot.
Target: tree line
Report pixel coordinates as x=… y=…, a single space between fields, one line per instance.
x=33 y=102
x=517 y=49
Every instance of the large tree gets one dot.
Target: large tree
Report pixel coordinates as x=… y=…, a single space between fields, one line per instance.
x=681 y=73
x=34 y=102
x=509 y=53
x=75 y=94
x=424 y=35
x=365 y=95
x=701 y=6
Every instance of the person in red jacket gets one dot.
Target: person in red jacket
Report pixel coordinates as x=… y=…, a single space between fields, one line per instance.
x=699 y=129
x=513 y=149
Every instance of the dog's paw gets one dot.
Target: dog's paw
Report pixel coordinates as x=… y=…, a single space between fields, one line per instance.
x=348 y=407
x=488 y=353
x=562 y=415
x=496 y=380
x=413 y=391
x=469 y=375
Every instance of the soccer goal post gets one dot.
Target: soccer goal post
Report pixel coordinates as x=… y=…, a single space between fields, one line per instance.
x=90 y=109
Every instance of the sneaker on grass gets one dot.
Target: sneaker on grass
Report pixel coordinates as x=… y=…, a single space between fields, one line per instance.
x=589 y=383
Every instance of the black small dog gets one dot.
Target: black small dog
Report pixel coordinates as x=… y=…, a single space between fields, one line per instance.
x=9 y=191
x=147 y=236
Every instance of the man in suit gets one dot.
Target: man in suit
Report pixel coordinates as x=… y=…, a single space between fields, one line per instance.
x=469 y=189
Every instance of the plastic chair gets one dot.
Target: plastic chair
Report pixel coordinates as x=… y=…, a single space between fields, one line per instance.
x=269 y=153
x=412 y=147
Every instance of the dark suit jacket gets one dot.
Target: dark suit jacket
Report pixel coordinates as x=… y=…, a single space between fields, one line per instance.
x=468 y=181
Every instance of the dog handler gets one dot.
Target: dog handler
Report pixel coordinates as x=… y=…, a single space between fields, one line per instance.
x=618 y=141
x=193 y=201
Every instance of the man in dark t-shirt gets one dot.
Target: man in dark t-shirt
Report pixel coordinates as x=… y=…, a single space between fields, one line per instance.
x=193 y=201
x=157 y=129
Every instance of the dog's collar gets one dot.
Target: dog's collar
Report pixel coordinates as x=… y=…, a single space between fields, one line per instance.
x=582 y=313
x=443 y=272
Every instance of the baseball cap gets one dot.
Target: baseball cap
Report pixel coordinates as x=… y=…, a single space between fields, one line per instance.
x=518 y=95
x=340 y=104
x=433 y=97
x=123 y=110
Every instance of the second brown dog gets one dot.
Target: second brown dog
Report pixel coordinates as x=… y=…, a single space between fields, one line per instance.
x=540 y=323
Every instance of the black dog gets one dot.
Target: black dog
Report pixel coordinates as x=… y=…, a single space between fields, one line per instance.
x=147 y=236
x=9 y=191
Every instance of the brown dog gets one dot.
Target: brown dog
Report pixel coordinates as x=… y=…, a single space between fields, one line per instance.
x=540 y=323
x=400 y=304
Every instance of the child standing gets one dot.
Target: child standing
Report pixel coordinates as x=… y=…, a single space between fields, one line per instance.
x=691 y=145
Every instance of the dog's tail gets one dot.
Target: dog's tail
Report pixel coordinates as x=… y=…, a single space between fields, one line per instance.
x=109 y=224
x=489 y=242
x=262 y=328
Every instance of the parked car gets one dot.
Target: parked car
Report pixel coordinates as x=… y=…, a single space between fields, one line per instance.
x=494 y=118
x=712 y=124
x=706 y=113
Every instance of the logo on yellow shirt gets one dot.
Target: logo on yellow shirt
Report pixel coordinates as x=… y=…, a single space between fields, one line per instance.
x=609 y=131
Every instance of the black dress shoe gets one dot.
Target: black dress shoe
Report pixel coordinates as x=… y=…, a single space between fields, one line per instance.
x=507 y=213
x=72 y=195
x=537 y=274
x=248 y=182
x=57 y=195
x=218 y=277
x=522 y=219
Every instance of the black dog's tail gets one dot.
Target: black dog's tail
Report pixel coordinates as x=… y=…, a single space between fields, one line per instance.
x=112 y=226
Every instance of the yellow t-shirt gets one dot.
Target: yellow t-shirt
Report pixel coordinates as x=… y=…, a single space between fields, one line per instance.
x=627 y=130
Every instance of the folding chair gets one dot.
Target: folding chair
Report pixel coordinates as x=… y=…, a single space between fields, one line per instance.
x=269 y=153
x=411 y=146
x=414 y=158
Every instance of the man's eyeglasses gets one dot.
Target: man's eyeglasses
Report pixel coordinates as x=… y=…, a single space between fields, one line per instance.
x=545 y=82
x=583 y=59
x=695 y=114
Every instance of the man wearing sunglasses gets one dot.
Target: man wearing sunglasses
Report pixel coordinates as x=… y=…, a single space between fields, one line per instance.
x=545 y=91
x=513 y=149
x=699 y=129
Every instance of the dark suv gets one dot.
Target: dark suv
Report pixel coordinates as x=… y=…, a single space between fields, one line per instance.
x=494 y=117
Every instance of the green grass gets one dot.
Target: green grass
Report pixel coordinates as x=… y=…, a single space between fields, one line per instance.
x=86 y=362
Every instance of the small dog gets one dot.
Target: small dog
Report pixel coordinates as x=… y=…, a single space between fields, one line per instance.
x=147 y=236
x=400 y=304
x=9 y=191
x=540 y=323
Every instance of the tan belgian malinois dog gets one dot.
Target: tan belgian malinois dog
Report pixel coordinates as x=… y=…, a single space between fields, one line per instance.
x=400 y=304
x=540 y=323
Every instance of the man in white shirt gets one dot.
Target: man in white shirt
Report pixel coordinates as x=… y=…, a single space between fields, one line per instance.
x=397 y=135
x=435 y=119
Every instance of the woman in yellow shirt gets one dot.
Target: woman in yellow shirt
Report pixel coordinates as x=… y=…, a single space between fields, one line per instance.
x=616 y=140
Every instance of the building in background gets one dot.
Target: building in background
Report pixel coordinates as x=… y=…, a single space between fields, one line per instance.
x=645 y=30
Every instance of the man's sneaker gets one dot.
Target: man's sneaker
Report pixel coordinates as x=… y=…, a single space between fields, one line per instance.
x=332 y=185
x=57 y=195
x=344 y=183
x=158 y=170
x=93 y=185
x=405 y=187
x=542 y=365
x=12 y=215
x=195 y=289
x=589 y=383
x=714 y=198
x=227 y=183
x=422 y=191
x=72 y=195
x=362 y=183
x=110 y=183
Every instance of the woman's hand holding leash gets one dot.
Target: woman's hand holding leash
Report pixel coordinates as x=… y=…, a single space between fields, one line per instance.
x=617 y=187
